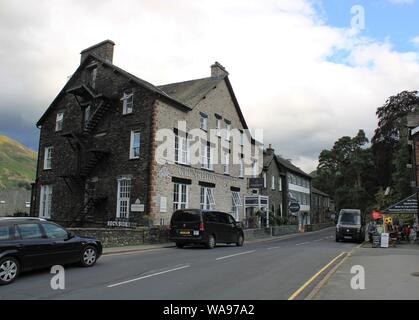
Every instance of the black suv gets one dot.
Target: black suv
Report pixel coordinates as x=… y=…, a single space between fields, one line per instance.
x=350 y=225
x=33 y=243
x=195 y=226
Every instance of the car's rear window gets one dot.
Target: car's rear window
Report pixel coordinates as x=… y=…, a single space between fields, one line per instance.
x=186 y=216
x=350 y=217
x=5 y=233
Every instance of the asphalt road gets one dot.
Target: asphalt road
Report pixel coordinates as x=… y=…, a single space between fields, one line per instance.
x=265 y=270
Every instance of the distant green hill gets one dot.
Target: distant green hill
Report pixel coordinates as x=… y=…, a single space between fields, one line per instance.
x=17 y=164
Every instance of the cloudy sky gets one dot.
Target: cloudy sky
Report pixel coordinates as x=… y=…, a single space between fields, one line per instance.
x=307 y=72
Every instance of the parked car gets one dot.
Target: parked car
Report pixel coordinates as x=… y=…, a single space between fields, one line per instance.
x=33 y=243
x=350 y=225
x=195 y=226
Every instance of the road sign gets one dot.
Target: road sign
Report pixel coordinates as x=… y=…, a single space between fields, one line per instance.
x=408 y=205
x=256 y=183
x=294 y=207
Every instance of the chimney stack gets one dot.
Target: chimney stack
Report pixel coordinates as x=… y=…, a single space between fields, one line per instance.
x=269 y=150
x=103 y=50
x=217 y=70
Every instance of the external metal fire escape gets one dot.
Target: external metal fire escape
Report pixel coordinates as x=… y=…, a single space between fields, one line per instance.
x=89 y=158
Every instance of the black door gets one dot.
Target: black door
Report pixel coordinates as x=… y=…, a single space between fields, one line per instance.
x=64 y=248
x=233 y=232
x=223 y=228
x=34 y=248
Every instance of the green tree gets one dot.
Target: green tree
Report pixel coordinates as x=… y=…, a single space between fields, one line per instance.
x=347 y=172
x=389 y=143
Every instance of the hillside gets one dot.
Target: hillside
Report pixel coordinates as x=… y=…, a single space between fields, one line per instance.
x=17 y=164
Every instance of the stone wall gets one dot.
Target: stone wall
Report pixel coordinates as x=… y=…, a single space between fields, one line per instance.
x=124 y=237
x=132 y=237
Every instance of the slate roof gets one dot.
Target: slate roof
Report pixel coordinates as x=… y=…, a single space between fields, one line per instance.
x=135 y=79
x=317 y=191
x=287 y=164
x=191 y=92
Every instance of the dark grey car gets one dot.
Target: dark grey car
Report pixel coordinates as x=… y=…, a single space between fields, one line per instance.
x=350 y=225
x=195 y=226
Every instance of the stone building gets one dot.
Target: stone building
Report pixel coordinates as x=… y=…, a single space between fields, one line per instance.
x=116 y=150
x=274 y=184
x=14 y=202
x=321 y=206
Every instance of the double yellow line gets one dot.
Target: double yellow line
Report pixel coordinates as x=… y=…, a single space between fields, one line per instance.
x=305 y=285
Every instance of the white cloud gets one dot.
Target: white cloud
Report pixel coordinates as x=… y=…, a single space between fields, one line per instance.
x=283 y=60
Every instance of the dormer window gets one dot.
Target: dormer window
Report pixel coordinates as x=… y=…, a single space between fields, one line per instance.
x=127 y=102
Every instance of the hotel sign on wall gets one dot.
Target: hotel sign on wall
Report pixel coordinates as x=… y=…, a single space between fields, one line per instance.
x=137 y=206
x=256 y=183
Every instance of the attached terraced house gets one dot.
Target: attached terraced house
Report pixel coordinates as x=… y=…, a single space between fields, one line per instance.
x=104 y=152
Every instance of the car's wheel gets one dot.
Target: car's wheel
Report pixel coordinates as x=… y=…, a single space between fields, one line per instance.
x=9 y=270
x=211 y=242
x=240 y=241
x=337 y=239
x=88 y=256
x=179 y=245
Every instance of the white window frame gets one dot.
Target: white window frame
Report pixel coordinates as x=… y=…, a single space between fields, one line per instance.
x=132 y=148
x=241 y=138
x=273 y=182
x=123 y=203
x=264 y=180
x=45 y=202
x=206 y=156
x=182 y=150
x=236 y=204
x=254 y=168
x=48 y=158
x=181 y=197
x=218 y=127
x=127 y=102
x=204 y=122
x=93 y=78
x=241 y=172
x=280 y=183
x=228 y=131
x=227 y=163
x=59 y=121
x=207 y=201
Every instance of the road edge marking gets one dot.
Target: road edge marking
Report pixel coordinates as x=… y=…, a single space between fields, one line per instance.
x=305 y=285
x=147 y=276
x=330 y=274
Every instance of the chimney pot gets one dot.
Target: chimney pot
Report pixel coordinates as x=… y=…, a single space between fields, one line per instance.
x=217 y=70
x=269 y=150
x=102 y=49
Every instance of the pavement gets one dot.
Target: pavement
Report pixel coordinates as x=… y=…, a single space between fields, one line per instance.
x=271 y=269
x=390 y=274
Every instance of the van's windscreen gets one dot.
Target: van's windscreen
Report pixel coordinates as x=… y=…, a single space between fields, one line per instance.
x=348 y=217
x=186 y=216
